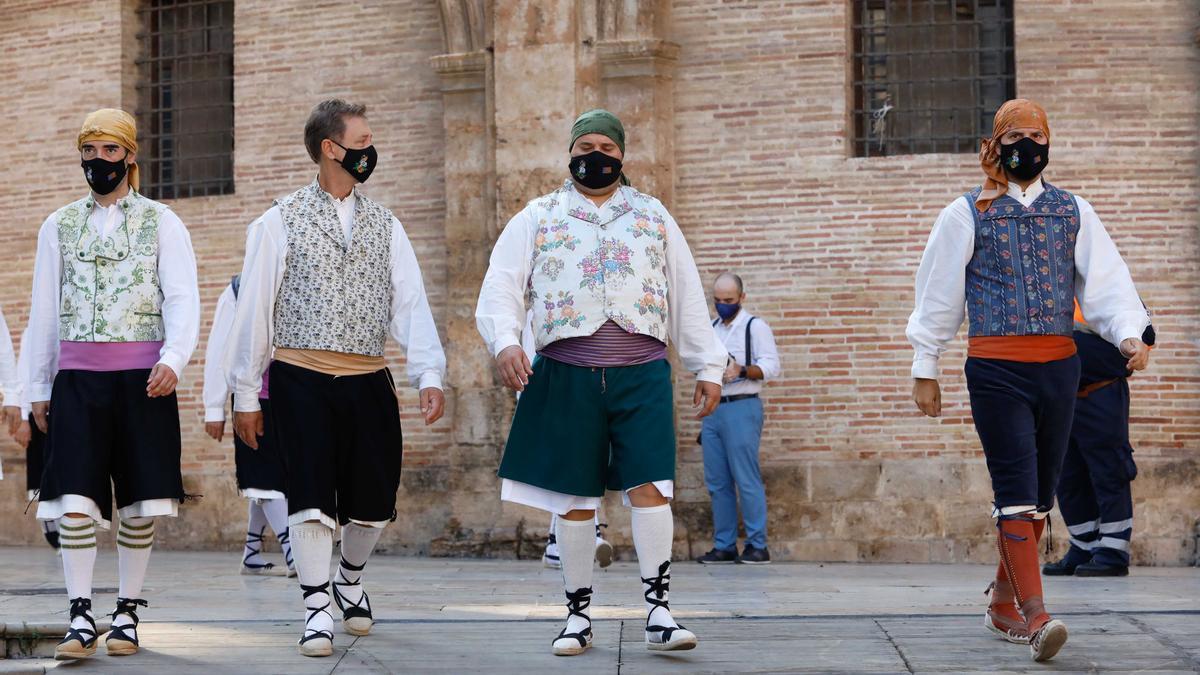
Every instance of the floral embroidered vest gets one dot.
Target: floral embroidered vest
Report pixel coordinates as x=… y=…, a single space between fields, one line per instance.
x=110 y=290
x=590 y=265
x=1021 y=278
x=334 y=297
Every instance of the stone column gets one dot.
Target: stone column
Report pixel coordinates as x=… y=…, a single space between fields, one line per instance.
x=535 y=97
x=476 y=406
x=637 y=68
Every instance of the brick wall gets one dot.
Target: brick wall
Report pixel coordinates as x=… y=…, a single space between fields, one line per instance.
x=828 y=245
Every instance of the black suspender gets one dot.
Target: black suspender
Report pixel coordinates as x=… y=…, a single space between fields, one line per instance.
x=749 y=353
x=749 y=345
x=236 y=284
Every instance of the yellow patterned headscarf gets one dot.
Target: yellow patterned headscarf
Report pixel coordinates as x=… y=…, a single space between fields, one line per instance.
x=117 y=126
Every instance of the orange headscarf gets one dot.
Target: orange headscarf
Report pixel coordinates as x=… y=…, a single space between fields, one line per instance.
x=1019 y=113
x=117 y=126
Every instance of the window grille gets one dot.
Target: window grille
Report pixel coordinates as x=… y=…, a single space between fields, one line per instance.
x=185 y=98
x=928 y=75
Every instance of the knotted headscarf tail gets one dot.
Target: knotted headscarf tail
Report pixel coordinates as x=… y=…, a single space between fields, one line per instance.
x=117 y=126
x=600 y=121
x=1019 y=113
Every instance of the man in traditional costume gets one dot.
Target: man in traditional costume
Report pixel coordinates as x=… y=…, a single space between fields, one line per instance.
x=115 y=302
x=609 y=277
x=329 y=274
x=1010 y=256
x=260 y=473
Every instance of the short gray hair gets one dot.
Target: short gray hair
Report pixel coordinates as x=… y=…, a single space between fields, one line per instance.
x=328 y=120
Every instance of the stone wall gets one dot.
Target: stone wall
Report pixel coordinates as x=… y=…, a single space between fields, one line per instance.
x=737 y=115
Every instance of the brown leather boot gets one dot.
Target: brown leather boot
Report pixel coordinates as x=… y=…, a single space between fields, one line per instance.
x=1017 y=541
x=1002 y=617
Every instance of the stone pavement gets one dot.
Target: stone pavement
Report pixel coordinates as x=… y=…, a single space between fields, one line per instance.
x=499 y=616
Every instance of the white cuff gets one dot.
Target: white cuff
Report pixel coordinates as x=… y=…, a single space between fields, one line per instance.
x=214 y=415
x=430 y=379
x=925 y=367
x=246 y=401
x=12 y=397
x=711 y=374
x=504 y=343
x=40 y=391
x=174 y=362
x=1130 y=330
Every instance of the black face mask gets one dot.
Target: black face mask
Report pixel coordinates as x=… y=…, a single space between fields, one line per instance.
x=595 y=170
x=1024 y=159
x=102 y=175
x=358 y=163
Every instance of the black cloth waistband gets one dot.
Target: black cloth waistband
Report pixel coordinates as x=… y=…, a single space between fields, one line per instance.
x=737 y=397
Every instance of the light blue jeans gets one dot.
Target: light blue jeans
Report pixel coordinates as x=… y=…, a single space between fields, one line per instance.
x=730 y=438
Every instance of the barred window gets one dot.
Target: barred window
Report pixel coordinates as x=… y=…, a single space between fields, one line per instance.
x=185 y=98
x=929 y=74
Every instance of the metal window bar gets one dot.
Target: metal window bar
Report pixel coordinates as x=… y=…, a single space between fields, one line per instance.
x=928 y=75
x=185 y=98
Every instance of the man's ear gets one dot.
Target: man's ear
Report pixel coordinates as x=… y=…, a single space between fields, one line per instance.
x=328 y=149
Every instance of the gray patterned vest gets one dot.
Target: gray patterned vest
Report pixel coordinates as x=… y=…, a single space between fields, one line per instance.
x=110 y=290
x=334 y=297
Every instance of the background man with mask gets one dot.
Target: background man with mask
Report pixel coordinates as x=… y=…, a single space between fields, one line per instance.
x=609 y=277
x=1010 y=256
x=1094 y=493
x=116 y=310
x=329 y=274
x=731 y=435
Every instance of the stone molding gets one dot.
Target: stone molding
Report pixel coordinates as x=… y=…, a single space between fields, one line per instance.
x=461 y=71
x=650 y=57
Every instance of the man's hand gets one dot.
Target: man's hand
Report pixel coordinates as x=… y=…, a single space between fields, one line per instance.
x=23 y=434
x=707 y=396
x=12 y=417
x=514 y=367
x=928 y=396
x=433 y=404
x=162 y=381
x=41 y=415
x=732 y=371
x=215 y=429
x=1138 y=353
x=248 y=426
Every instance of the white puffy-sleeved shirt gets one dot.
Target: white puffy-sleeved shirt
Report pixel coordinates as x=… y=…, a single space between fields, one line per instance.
x=251 y=337
x=1103 y=285
x=10 y=380
x=502 y=315
x=216 y=389
x=177 y=281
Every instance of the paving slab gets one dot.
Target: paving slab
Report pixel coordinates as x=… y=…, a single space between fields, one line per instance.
x=499 y=616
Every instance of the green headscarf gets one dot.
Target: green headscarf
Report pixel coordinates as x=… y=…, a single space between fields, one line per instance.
x=600 y=121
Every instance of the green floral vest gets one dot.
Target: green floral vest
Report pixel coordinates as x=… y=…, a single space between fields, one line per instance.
x=110 y=289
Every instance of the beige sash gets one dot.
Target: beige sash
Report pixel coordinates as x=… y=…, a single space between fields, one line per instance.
x=331 y=363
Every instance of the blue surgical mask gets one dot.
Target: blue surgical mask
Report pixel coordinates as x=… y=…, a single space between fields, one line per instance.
x=727 y=311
